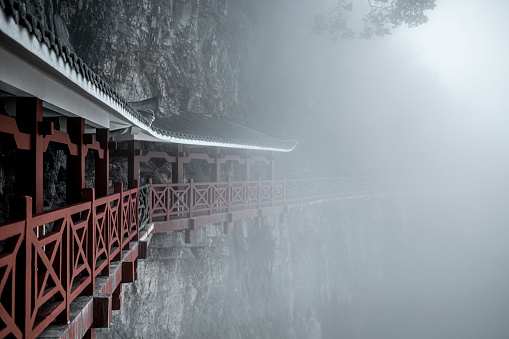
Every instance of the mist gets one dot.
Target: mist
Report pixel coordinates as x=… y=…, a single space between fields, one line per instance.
x=424 y=102
x=401 y=231
x=378 y=106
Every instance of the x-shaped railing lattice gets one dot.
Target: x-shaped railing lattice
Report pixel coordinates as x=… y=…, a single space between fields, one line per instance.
x=201 y=198
x=219 y=199
x=13 y=234
x=186 y=199
x=115 y=244
x=101 y=235
x=179 y=200
x=237 y=192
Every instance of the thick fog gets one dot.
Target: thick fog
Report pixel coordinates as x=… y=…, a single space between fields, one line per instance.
x=423 y=102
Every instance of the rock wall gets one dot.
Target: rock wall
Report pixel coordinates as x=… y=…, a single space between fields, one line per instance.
x=196 y=56
x=304 y=277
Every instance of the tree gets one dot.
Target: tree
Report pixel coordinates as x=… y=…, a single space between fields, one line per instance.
x=382 y=17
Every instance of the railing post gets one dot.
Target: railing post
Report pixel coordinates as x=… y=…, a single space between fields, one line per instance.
x=88 y=195
x=272 y=192
x=228 y=194
x=259 y=192
x=245 y=189
x=284 y=191
x=191 y=199
x=136 y=185
x=150 y=197
x=64 y=317
x=119 y=189
x=21 y=209
x=212 y=192
x=168 y=195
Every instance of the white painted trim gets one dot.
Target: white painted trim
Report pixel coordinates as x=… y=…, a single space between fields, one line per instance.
x=157 y=137
x=212 y=143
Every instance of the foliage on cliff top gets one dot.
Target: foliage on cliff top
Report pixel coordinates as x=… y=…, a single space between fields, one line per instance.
x=381 y=18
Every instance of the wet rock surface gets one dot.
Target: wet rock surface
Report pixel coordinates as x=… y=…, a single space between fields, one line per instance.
x=7 y=175
x=304 y=277
x=196 y=56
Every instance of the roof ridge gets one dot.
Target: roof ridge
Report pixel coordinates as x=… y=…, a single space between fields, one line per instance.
x=218 y=129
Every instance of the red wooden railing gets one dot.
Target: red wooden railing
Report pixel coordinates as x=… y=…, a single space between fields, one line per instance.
x=57 y=256
x=208 y=197
x=11 y=235
x=57 y=264
x=188 y=200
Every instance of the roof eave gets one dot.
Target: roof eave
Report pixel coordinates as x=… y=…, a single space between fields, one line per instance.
x=38 y=53
x=152 y=135
x=49 y=63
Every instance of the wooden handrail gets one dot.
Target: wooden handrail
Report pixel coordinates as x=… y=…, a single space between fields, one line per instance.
x=63 y=262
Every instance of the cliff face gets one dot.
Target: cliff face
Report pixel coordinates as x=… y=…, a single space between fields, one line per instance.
x=306 y=277
x=196 y=56
x=416 y=266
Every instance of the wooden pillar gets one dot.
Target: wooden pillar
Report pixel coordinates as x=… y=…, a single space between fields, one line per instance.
x=117 y=298
x=102 y=166
x=75 y=165
x=177 y=168
x=128 y=271
x=247 y=171
x=133 y=160
x=90 y=334
x=29 y=165
x=118 y=188
x=189 y=236
x=102 y=305
x=216 y=169
x=272 y=166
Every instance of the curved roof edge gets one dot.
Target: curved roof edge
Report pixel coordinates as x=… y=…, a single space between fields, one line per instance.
x=220 y=144
x=211 y=131
x=29 y=33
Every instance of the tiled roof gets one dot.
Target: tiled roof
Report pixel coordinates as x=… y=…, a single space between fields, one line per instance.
x=34 y=26
x=198 y=127
x=185 y=128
